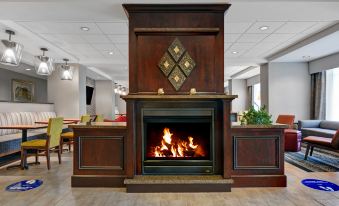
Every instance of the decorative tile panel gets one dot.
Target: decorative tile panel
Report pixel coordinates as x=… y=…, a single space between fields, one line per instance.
x=177 y=78
x=176 y=49
x=187 y=64
x=166 y=64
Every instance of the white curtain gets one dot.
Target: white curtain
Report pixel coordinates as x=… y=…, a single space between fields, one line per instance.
x=332 y=94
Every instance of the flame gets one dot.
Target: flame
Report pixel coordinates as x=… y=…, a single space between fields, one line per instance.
x=178 y=147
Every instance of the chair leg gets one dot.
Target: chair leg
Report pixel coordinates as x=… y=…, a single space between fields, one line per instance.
x=59 y=153
x=311 y=151
x=69 y=145
x=48 y=159
x=307 y=151
x=37 y=156
x=22 y=158
x=61 y=144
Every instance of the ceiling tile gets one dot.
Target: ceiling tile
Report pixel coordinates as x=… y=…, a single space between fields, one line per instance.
x=96 y=38
x=119 y=38
x=122 y=46
x=277 y=38
x=113 y=27
x=70 y=38
x=61 y=27
x=273 y=25
x=236 y=27
x=231 y=37
x=295 y=27
x=251 y=38
x=105 y=47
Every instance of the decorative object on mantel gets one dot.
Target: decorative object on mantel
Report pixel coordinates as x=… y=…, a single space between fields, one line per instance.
x=193 y=91
x=177 y=65
x=43 y=64
x=11 y=51
x=161 y=91
x=22 y=91
x=256 y=117
x=66 y=71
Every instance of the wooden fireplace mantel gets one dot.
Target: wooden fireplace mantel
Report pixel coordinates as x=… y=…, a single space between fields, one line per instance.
x=179 y=97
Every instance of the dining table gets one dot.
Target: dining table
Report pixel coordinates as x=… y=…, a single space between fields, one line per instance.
x=24 y=128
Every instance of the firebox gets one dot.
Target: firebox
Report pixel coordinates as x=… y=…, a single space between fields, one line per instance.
x=178 y=141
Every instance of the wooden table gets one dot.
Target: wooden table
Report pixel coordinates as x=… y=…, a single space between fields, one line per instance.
x=65 y=122
x=24 y=129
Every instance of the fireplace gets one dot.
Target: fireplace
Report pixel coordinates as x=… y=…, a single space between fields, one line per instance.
x=178 y=141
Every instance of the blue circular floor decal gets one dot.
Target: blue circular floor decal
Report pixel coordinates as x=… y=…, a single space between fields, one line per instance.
x=320 y=185
x=24 y=185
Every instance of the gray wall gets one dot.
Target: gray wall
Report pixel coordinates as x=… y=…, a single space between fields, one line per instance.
x=104 y=98
x=6 y=76
x=264 y=85
x=289 y=90
x=325 y=63
x=239 y=87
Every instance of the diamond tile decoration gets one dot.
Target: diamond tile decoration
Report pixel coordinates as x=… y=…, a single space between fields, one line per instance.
x=176 y=49
x=177 y=78
x=166 y=64
x=187 y=64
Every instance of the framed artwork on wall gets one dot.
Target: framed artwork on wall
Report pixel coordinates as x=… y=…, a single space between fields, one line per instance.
x=22 y=91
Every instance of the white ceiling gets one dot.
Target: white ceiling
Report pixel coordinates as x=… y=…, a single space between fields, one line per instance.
x=55 y=24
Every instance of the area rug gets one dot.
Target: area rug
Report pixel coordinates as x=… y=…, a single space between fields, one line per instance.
x=320 y=161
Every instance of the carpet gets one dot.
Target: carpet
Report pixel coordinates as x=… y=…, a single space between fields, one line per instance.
x=321 y=160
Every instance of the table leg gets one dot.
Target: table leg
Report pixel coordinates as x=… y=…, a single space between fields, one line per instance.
x=23 y=139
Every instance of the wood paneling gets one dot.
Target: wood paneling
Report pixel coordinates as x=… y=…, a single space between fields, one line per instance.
x=152 y=31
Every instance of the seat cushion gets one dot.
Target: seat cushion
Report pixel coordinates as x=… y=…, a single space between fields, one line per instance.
x=68 y=135
x=34 y=143
x=318 y=140
x=328 y=133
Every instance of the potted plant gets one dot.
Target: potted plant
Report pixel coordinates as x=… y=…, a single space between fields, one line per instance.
x=256 y=117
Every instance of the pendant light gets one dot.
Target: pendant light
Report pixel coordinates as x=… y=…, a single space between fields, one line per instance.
x=11 y=51
x=66 y=71
x=43 y=64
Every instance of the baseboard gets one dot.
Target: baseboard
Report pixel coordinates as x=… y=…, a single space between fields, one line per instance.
x=97 y=181
x=259 y=180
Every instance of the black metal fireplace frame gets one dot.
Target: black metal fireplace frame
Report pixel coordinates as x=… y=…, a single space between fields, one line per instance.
x=181 y=167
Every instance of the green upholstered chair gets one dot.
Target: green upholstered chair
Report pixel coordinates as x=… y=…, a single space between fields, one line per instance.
x=99 y=118
x=52 y=142
x=68 y=137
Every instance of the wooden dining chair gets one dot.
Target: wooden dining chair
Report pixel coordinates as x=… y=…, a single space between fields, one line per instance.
x=52 y=142
x=68 y=137
x=99 y=118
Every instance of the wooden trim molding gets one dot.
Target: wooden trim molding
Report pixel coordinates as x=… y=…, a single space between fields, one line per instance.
x=176 y=31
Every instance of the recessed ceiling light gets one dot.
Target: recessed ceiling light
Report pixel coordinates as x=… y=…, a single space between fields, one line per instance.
x=84 y=28
x=28 y=69
x=110 y=53
x=263 y=28
x=234 y=52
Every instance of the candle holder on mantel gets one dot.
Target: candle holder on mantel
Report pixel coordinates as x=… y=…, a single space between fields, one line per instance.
x=161 y=91
x=193 y=91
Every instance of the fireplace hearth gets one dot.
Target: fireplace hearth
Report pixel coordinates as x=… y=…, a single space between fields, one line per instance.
x=179 y=141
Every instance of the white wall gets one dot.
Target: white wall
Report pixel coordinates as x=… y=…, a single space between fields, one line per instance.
x=289 y=89
x=239 y=87
x=104 y=98
x=25 y=107
x=253 y=80
x=325 y=63
x=69 y=97
x=121 y=104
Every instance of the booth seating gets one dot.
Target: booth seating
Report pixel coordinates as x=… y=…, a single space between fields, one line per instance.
x=10 y=139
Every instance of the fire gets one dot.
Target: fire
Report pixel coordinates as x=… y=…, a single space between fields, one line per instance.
x=175 y=147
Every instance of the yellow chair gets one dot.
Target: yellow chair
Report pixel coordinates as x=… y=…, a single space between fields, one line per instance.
x=70 y=135
x=52 y=142
x=99 y=118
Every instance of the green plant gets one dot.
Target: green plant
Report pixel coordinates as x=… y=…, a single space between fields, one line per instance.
x=253 y=116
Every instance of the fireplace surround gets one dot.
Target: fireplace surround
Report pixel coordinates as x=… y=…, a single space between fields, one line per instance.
x=178 y=141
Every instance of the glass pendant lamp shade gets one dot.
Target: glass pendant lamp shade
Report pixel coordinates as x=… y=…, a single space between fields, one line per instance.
x=66 y=71
x=11 y=51
x=43 y=64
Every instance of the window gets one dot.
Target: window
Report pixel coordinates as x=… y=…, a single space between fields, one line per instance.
x=256 y=101
x=332 y=94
